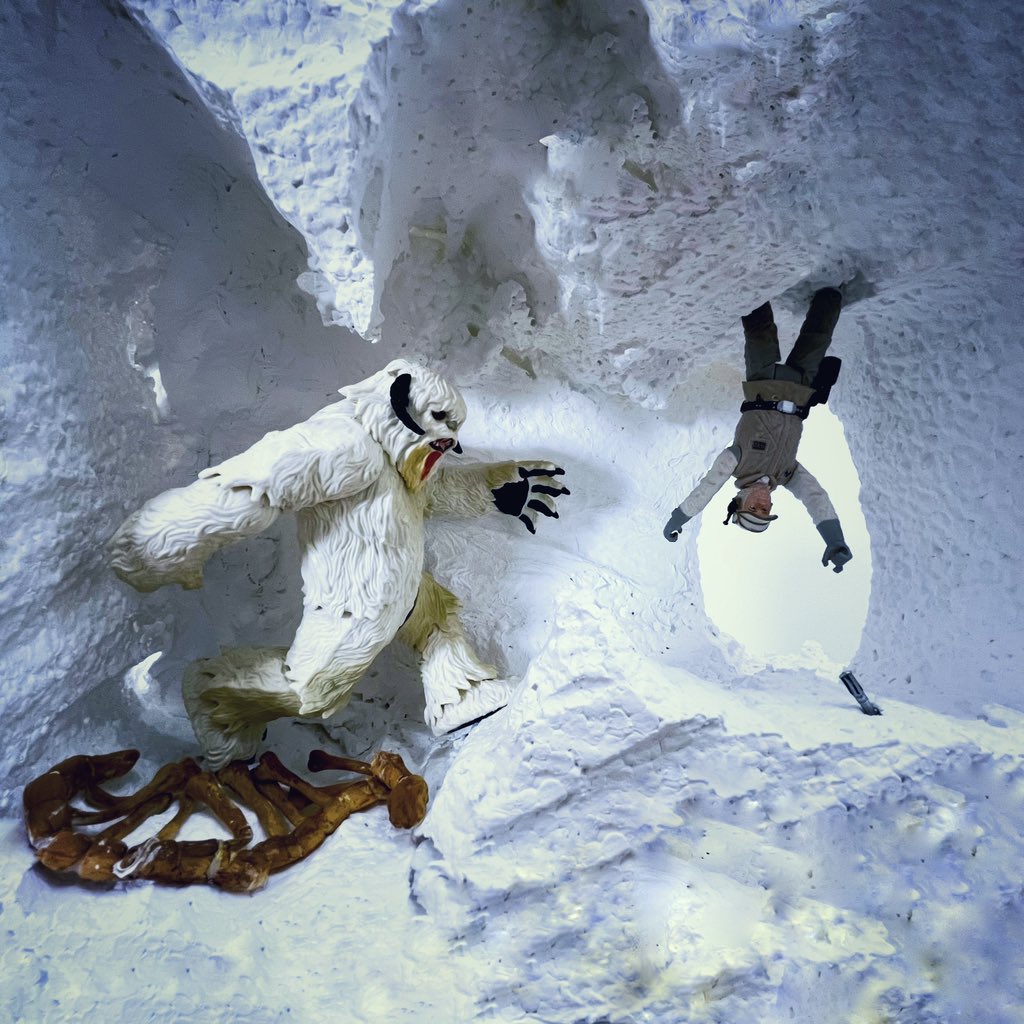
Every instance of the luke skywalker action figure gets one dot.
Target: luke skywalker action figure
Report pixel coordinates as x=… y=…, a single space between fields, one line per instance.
x=777 y=399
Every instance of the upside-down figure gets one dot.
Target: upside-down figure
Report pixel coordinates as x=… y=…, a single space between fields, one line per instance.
x=360 y=475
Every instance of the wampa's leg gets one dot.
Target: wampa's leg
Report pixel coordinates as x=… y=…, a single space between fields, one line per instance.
x=171 y=537
x=457 y=685
x=231 y=698
x=330 y=654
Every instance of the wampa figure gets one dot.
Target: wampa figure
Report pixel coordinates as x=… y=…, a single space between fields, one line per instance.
x=360 y=476
x=778 y=396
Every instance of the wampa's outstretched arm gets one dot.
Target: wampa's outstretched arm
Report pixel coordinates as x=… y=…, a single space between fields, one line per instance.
x=520 y=489
x=172 y=536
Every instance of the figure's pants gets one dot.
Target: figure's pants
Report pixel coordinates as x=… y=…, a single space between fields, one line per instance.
x=761 y=348
x=815 y=334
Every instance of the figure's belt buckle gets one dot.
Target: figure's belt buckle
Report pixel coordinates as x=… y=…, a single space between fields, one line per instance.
x=786 y=406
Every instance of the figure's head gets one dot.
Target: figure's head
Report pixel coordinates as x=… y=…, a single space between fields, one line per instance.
x=413 y=413
x=752 y=508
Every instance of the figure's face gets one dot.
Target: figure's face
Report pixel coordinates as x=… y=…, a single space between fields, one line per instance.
x=758 y=500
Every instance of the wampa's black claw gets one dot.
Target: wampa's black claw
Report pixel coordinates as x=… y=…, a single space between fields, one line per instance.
x=539 y=506
x=525 y=499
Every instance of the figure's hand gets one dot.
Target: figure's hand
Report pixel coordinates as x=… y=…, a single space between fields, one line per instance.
x=532 y=488
x=836 y=550
x=675 y=524
x=838 y=555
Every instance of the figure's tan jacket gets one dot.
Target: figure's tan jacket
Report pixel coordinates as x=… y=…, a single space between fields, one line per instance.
x=765 y=446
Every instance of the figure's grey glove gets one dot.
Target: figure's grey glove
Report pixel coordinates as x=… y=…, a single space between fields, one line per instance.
x=675 y=524
x=533 y=492
x=836 y=550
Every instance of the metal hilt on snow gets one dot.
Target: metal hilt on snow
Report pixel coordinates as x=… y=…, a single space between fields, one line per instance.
x=849 y=680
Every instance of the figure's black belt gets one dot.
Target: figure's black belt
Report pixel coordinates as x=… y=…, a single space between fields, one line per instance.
x=785 y=406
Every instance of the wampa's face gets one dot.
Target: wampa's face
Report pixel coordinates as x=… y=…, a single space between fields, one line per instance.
x=413 y=413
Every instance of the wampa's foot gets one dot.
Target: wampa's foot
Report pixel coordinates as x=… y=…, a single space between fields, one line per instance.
x=481 y=699
x=231 y=698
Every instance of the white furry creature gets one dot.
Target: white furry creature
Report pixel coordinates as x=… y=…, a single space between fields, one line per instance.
x=360 y=476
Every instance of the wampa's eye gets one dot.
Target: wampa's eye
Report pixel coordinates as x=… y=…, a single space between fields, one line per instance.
x=439 y=416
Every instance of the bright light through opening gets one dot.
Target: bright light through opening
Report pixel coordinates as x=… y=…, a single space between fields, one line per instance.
x=769 y=591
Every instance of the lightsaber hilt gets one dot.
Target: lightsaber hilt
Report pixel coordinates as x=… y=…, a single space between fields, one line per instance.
x=849 y=680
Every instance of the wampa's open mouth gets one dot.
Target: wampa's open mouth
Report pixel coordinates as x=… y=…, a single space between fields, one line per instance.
x=438 y=448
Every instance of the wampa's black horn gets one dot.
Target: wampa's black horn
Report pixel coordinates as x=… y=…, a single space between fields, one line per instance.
x=400 y=402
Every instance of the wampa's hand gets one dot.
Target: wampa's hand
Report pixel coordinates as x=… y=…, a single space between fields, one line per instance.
x=530 y=488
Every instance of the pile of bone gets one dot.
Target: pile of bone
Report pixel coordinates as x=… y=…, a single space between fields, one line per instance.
x=295 y=816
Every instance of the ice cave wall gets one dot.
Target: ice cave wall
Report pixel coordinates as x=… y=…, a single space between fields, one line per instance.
x=144 y=273
x=569 y=205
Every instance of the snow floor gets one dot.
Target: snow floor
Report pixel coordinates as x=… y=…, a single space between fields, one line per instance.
x=624 y=843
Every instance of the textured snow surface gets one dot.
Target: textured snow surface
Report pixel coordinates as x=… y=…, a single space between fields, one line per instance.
x=565 y=207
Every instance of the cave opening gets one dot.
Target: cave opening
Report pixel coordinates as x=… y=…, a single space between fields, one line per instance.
x=769 y=591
